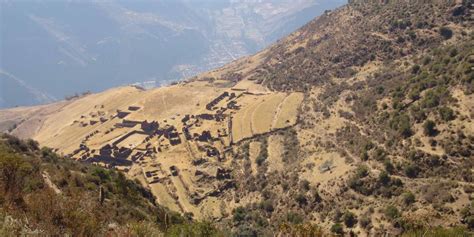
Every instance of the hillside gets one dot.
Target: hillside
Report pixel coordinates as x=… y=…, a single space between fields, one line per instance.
x=45 y=194
x=360 y=122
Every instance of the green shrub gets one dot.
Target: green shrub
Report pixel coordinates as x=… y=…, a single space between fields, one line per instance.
x=429 y=128
x=446 y=113
x=446 y=32
x=350 y=219
x=408 y=198
x=384 y=178
x=239 y=214
x=388 y=166
x=401 y=123
x=294 y=218
x=198 y=229
x=415 y=69
x=411 y=170
x=267 y=205
x=301 y=199
x=438 y=232
x=391 y=212
x=337 y=229
x=365 y=221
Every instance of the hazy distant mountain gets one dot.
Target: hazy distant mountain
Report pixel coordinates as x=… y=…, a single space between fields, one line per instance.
x=64 y=47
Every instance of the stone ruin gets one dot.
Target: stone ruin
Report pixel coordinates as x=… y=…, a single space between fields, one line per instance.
x=210 y=105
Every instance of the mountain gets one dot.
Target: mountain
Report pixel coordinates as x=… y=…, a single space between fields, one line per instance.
x=61 y=48
x=358 y=123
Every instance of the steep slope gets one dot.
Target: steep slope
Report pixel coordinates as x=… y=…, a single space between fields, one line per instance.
x=359 y=122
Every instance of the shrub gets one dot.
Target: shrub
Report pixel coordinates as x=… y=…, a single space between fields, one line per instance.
x=267 y=205
x=239 y=214
x=446 y=113
x=415 y=69
x=411 y=171
x=391 y=212
x=186 y=229
x=337 y=229
x=379 y=154
x=364 y=156
x=259 y=160
x=365 y=221
x=408 y=198
x=384 y=178
x=362 y=171
x=388 y=166
x=350 y=219
x=467 y=214
x=13 y=172
x=301 y=199
x=429 y=128
x=294 y=218
x=305 y=185
x=437 y=232
x=446 y=32
x=431 y=99
x=401 y=124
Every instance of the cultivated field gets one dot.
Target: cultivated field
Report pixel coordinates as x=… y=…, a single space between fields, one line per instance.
x=263 y=113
